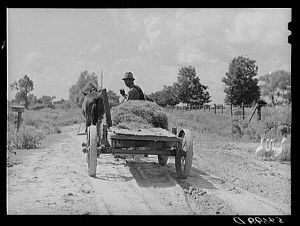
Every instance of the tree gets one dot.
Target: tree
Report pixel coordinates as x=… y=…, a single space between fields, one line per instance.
x=32 y=99
x=164 y=97
x=46 y=100
x=20 y=97
x=277 y=86
x=113 y=98
x=240 y=84
x=189 y=88
x=170 y=95
x=75 y=93
x=24 y=86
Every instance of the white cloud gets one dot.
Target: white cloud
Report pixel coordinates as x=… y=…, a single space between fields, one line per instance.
x=265 y=26
x=184 y=36
x=125 y=20
x=35 y=62
x=96 y=48
x=190 y=55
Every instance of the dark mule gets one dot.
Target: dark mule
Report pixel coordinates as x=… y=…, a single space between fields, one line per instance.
x=93 y=108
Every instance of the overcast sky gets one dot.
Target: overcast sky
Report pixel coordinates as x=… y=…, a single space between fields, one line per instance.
x=53 y=46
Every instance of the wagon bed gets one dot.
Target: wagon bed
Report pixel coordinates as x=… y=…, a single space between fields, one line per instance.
x=153 y=134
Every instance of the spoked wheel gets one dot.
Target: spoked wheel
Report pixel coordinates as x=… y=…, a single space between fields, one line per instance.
x=162 y=159
x=184 y=154
x=92 y=150
x=88 y=145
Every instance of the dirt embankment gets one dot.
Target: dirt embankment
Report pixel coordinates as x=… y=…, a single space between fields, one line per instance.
x=226 y=178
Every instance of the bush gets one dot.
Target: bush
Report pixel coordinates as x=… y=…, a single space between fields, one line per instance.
x=28 y=137
x=65 y=105
x=37 y=107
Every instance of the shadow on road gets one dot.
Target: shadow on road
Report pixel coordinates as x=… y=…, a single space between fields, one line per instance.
x=113 y=177
x=197 y=178
x=152 y=174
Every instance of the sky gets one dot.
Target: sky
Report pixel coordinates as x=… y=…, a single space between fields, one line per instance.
x=53 y=46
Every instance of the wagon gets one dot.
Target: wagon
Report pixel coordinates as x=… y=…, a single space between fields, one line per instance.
x=107 y=139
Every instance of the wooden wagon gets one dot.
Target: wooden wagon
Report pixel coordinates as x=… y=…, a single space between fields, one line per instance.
x=107 y=139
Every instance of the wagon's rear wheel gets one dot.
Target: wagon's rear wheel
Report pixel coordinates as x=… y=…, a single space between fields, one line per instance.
x=92 y=150
x=184 y=155
x=162 y=159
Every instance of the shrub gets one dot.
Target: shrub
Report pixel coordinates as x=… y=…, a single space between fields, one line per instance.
x=37 y=107
x=11 y=136
x=28 y=137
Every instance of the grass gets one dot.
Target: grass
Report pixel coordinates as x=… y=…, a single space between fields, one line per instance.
x=273 y=121
x=50 y=120
x=37 y=124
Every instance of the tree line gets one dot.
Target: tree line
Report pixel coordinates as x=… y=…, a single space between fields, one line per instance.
x=187 y=89
x=240 y=86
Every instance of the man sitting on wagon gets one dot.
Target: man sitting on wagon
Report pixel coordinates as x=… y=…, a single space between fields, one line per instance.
x=135 y=92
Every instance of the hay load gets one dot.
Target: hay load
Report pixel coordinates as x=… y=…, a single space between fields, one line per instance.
x=139 y=115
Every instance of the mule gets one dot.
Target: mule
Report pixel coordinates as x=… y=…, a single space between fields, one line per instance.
x=92 y=108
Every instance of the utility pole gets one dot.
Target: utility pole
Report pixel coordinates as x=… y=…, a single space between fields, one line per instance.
x=101 y=84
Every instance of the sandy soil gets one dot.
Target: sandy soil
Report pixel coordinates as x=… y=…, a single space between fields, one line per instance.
x=226 y=179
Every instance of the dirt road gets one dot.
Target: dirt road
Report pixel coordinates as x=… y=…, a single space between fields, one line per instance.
x=226 y=179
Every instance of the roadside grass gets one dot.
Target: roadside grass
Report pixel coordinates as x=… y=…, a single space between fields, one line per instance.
x=37 y=124
x=270 y=126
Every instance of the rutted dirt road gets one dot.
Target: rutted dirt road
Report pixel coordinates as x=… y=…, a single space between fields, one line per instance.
x=226 y=179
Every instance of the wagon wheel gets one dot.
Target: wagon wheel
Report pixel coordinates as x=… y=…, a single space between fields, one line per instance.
x=184 y=154
x=88 y=144
x=162 y=159
x=92 y=153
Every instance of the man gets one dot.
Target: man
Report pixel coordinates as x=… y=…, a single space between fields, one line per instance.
x=135 y=92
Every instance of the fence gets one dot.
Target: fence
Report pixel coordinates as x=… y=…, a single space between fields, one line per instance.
x=243 y=109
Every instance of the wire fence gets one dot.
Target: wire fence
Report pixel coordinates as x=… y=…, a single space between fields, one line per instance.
x=243 y=110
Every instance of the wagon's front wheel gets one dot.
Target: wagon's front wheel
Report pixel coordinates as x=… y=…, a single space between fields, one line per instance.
x=92 y=150
x=184 y=154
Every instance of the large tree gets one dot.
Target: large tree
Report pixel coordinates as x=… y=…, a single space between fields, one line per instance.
x=24 y=86
x=75 y=92
x=166 y=96
x=189 y=88
x=277 y=86
x=240 y=84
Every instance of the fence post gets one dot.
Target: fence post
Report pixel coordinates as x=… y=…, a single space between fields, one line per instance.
x=215 y=109
x=222 y=109
x=231 y=110
x=259 y=111
x=243 y=110
x=20 y=110
x=209 y=108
